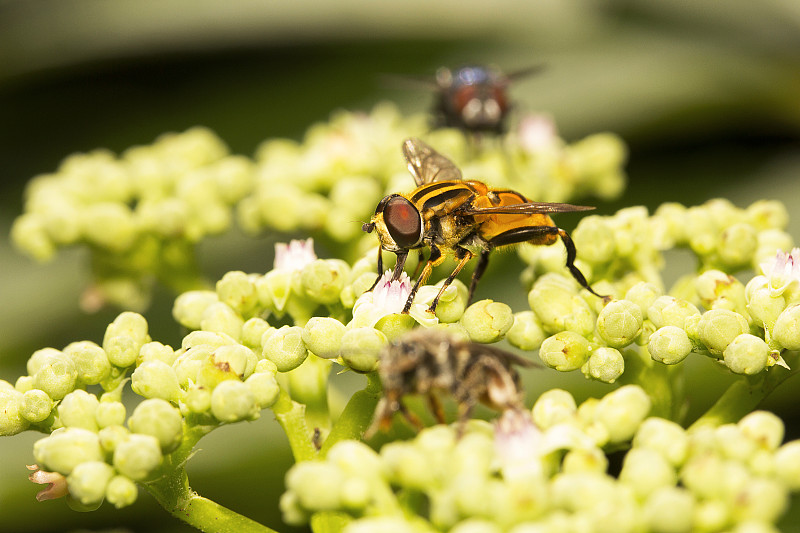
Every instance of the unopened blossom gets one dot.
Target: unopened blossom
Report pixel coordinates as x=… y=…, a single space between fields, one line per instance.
x=537 y=133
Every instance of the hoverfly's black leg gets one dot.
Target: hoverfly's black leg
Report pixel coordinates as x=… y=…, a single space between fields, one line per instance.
x=380 y=269
x=450 y=278
x=577 y=274
x=420 y=258
x=480 y=268
x=398 y=267
x=435 y=259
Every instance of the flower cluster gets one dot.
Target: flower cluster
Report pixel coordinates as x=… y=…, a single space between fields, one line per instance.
x=546 y=471
x=139 y=213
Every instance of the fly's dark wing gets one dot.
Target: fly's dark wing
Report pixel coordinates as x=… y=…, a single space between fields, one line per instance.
x=426 y=164
x=529 y=208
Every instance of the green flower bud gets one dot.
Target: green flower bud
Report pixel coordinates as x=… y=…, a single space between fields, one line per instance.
x=213 y=339
x=356 y=494
x=155 y=351
x=591 y=460
x=122 y=350
x=746 y=354
x=131 y=325
x=121 y=492
x=220 y=317
x=110 y=413
x=554 y=407
x=190 y=306
x=487 y=321
x=764 y=307
x=622 y=411
x=619 y=323
x=156 y=379
x=90 y=361
x=88 y=481
x=323 y=336
x=111 y=436
x=109 y=225
x=787 y=328
x=718 y=328
x=669 y=345
x=564 y=351
x=669 y=311
x=237 y=291
x=274 y=288
x=732 y=443
x=232 y=401
x=664 y=436
x=293 y=514
x=29 y=235
x=395 y=325
x=787 y=460
x=646 y=470
x=604 y=364
x=526 y=333
x=78 y=409
x=669 y=510
x=711 y=515
x=361 y=348
x=317 y=485
x=355 y=458
x=161 y=420
x=35 y=406
x=408 y=466
x=237 y=359
x=737 y=244
x=23 y=384
x=763 y=428
x=66 y=448
x=137 y=456
x=56 y=375
x=264 y=387
x=766 y=214
x=252 y=332
x=41 y=358
x=761 y=499
x=452 y=303
x=11 y=411
x=643 y=294
x=324 y=279
x=558 y=308
x=708 y=475
x=594 y=237
x=285 y=348
x=198 y=400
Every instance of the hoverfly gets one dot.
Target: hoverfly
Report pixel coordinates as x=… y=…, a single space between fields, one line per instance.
x=474 y=98
x=428 y=362
x=463 y=218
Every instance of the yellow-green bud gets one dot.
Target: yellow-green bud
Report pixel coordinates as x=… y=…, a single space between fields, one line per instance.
x=189 y=307
x=155 y=351
x=210 y=338
x=324 y=279
x=90 y=361
x=526 y=333
x=669 y=345
x=220 y=317
x=253 y=331
x=285 y=348
x=669 y=510
x=594 y=237
x=66 y=448
x=584 y=460
x=158 y=418
x=29 y=234
x=11 y=417
x=121 y=491
x=452 y=303
x=361 y=348
x=643 y=294
x=718 y=328
x=156 y=379
x=646 y=470
x=264 y=387
x=787 y=328
x=761 y=499
x=746 y=354
x=764 y=307
x=737 y=244
x=323 y=336
x=232 y=401
x=137 y=456
x=564 y=351
x=109 y=225
x=110 y=413
x=111 y=436
x=555 y=303
x=35 y=406
x=56 y=374
x=669 y=311
x=622 y=411
x=88 y=481
x=198 y=400
x=619 y=323
x=664 y=436
x=317 y=484
x=763 y=428
x=787 y=460
x=236 y=289
x=554 y=407
x=604 y=364
x=77 y=409
x=487 y=321
x=395 y=325
x=766 y=214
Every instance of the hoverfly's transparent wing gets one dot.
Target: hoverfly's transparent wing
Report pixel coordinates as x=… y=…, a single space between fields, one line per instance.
x=426 y=164
x=529 y=208
x=525 y=72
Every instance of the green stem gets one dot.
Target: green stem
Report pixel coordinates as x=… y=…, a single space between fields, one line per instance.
x=664 y=384
x=308 y=385
x=357 y=414
x=291 y=416
x=172 y=491
x=743 y=396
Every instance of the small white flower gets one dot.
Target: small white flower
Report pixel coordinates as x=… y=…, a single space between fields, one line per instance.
x=294 y=256
x=389 y=297
x=517 y=444
x=782 y=271
x=537 y=133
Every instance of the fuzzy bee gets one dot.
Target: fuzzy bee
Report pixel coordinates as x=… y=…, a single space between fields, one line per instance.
x=428 y=362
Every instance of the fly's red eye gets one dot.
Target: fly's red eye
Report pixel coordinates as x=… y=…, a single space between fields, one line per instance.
x=403 y=222
x=463 y=96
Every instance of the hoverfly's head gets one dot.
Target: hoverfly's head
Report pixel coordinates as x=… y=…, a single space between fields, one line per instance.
x=398 y=224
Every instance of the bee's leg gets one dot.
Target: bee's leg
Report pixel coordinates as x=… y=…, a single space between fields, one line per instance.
x=577 y=274
x=380 y=269
x=435 y=259
x=411 y=417
x=483 y=260
x=468 y=255
x=436 y=407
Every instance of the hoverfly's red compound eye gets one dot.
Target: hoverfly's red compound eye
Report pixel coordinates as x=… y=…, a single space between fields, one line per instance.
x=403 y=222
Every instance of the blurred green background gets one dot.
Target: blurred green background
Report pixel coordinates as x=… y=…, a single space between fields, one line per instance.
x=706 y=94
